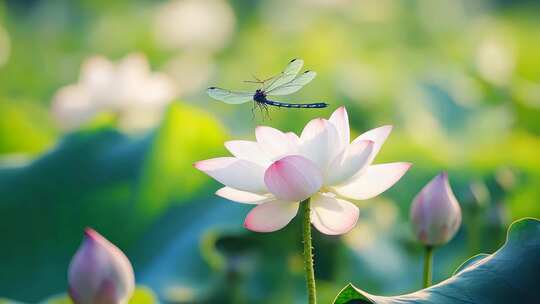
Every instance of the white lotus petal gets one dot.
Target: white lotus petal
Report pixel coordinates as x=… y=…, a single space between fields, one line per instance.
x=294 y=139
x=349 y=162
x=235 y=173
x=240 y=196
x=248 y=150
x=333 y=215
x=374 y=180
x=340 y=119
x=378 y=136
x=320 y=142
x=275 y=143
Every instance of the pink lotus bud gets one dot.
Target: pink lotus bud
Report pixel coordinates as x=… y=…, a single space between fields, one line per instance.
x=100 y=273
x=435 y=212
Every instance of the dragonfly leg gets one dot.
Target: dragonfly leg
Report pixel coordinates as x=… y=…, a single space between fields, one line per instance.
x=253 y=110
x=265 y=106
x=261 y=108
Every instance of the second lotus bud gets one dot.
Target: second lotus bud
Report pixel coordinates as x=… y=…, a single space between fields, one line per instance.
x=435 y=212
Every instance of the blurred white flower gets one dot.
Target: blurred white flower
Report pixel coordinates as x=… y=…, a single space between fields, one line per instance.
x=5 y=46
x=280 y=170
x=326 y=3
x=440 y=17
x=100 y=272
x=197 y=24
x=128 y=89
x=435 y=212
x=495 y=61
x=190 y=71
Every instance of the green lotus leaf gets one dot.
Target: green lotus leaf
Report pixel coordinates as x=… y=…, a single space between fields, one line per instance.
x=510 y=275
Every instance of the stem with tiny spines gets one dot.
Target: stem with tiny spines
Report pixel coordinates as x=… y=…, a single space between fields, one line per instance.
x=308 y=252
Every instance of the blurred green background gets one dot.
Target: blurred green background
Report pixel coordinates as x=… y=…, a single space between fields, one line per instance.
x=459 y=80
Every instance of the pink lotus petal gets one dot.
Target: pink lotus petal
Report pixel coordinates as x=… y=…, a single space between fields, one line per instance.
x=340 y=120
x=99 y=271
x=275 y=143
x=320 y=142
x=378 y=136
x=333 y=215
x=349 y=162
x=271 y=216
x=248 y=150
x=435 y=212
x=373 y=181
x=293 y=178
x=242 y=196
x=235 y=173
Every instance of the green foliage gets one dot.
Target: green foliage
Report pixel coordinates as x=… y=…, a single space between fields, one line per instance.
x=509 y=275
x=214 y=260
x=93 y=178
x=22 y=128
x=142 y=295
x=470 y=262
x=413 y=64
x=185 y=136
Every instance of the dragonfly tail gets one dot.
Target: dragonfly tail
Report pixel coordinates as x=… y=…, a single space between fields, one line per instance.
x=316 y=105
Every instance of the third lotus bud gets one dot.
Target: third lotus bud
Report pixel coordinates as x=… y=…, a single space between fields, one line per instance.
x=435 y=212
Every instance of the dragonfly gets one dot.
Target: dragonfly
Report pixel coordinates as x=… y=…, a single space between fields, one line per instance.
x=285 y=83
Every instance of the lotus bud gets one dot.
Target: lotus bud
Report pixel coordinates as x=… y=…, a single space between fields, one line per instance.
x=100 y=273
x=435 y=212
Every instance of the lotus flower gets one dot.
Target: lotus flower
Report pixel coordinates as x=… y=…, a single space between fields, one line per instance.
x=280 y=170
x=128 y=89
x=435 y=212
x=194 y=24
x=100 y=273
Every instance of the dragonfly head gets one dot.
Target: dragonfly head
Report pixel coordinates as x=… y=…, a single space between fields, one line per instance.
x=260 y=95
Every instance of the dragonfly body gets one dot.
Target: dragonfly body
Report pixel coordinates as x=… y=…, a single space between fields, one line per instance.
x=260 y=98
x=285 y=83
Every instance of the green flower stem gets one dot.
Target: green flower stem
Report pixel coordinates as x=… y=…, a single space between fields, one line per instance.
x=308 y=253
x=428 y=266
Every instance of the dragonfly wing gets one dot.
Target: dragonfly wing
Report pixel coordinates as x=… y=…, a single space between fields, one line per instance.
x=230 y=97
x=294 y=85
x=287 y=75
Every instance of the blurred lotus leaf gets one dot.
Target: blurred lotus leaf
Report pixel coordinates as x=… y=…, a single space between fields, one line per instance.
x=101 y=178
x=470 y=262
x=509 y=275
